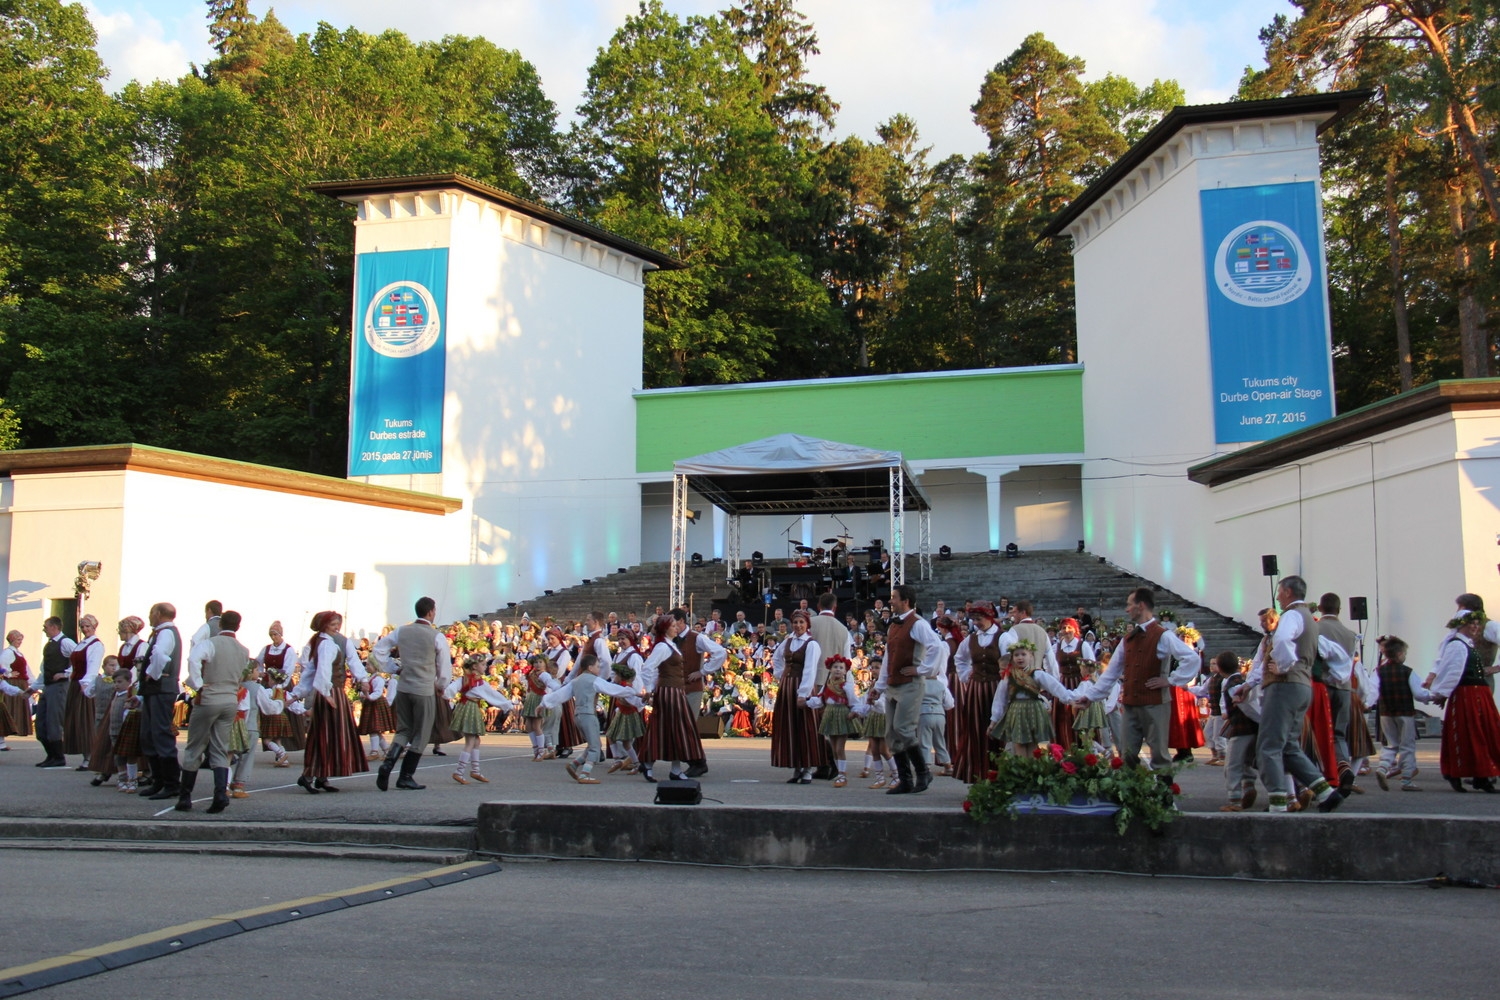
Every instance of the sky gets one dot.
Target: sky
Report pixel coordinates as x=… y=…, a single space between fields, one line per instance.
x=923 y=58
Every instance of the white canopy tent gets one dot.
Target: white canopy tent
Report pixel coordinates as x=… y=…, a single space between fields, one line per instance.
x=789 y=473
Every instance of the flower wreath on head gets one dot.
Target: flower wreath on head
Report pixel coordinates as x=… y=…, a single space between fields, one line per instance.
x=1026 y=644
x=836 y=659
x=1189 y=635
x=1467 y=617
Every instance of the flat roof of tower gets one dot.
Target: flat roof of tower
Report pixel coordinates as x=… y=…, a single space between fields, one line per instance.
x=354 y=187
x=1336 y=105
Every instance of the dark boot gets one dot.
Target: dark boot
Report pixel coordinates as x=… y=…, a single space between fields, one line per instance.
x=921 y=775
x=697 y=768
x=221 y=790
x=170 y=772
x=905 y=785
x=184 y=792
x=409 y=768
x=150 y=788
x=55 y=755
x=383 y=776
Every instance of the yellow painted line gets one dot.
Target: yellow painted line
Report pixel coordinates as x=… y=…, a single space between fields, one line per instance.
x=178 y=930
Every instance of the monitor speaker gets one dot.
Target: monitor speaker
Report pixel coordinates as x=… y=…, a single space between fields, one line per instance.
x=1268 y=566
x=686 y=792
x=1359 y=609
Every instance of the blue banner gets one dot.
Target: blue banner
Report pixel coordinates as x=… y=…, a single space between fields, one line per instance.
x=1267 y=310
x=396 y=395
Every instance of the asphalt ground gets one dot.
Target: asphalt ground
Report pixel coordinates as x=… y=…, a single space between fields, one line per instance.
x=626 y=930
x=739 y=774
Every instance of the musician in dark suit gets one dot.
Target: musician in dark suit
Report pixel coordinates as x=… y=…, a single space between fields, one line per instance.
x=749 y=592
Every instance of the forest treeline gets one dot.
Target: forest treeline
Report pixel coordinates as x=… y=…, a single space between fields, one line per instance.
x=168 y=277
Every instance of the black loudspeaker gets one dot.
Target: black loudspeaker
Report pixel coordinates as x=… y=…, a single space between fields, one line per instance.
x=1268 y=566
x=1359 y=609
x=686 y=792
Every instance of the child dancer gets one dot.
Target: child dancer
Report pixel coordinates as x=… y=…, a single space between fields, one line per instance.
x=1240 y=729
x=468 y=718
x=1397 y=690
x=1018 y=715
x=837 y=725
x=1090 y=722
x=584 y=690
x=627 y=726
x=531 y=708
x=376 y=716
x=932 y=724
x=878 y=750
x=101 y=751
x=256 y=702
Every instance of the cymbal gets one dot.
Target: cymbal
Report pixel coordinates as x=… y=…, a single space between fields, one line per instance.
x=804 y=548
x=830 y=541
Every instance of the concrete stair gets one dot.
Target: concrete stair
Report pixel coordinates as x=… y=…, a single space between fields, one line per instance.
x=1056 y=582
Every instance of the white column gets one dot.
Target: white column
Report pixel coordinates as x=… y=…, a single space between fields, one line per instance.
x=992 y=474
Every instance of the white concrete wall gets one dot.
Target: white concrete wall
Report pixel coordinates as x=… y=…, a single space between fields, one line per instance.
x=544 y=335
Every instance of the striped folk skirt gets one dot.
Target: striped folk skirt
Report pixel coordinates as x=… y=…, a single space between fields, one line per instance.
x=442 y=721
x=333 y=747
x=15 y=714
x=794 y=733
x=78 y=721
x=1064 y=715
x=128 y=743
x=972 y=744
x=672 y=733
x=376 y=717
x=567 y=728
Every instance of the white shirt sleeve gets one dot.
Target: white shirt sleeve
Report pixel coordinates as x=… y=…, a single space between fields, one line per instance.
x=380 y=654
x=811 y=654
x=932 y=647
x=1450 y=666
x=265 y=703
x=651 y=669
x=1284 y=643
x=1054 y=687
x=1189 y=661
x=717 y=654
x=197 y=656
x=963 y=663
x=161 y=653
x=998 y=703
x=94 y=659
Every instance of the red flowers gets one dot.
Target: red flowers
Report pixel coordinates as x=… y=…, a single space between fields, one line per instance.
x=1176 y=789
x=1091 y=759
x=1057 y=753
x=993 y=775
x=1070 y=767
x=1116 y=763
x=968 y=805
x=1038 y=753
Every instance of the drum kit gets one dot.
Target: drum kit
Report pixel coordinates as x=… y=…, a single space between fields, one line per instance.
x=829 y=556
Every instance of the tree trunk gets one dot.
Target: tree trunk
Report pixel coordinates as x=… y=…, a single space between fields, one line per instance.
x=1472 y=346
x=1398 y=278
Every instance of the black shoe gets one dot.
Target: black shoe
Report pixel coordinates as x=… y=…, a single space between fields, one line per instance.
x=149 y=789
x=322 y=783
x=185 y=784
x=409 y=768
x=806 y=779
x=646 y=773
x=904 y=784
x=1181 y=756
x=565 y=751
x=171 y=771
x=305 y=783
x=383 y=775
x=697 y=769
x=1331 y=802
x=221 y=791
x=1485 y=785
x=921 y=775
x=438 y=752
x=795 y=779
x=1458 y=784
x=99 y=780
x=82 y=767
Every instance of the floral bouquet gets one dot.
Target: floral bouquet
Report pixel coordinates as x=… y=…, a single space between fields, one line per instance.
x=1061 y=777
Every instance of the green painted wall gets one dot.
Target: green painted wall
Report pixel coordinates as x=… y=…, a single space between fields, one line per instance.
x=1014 y=411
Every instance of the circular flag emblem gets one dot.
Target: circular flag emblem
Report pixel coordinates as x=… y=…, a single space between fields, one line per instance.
x=401 y=320
x=1262 y=264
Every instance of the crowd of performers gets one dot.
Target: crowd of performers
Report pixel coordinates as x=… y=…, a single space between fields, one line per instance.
x=930 y=696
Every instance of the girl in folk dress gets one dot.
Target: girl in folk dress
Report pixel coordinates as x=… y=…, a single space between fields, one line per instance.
x=471 y=689
x=256 y=705
x=376 y=716
x=672 y=733
x=627 y=726
x=1071 y=653
x=285 y=731
x=871 y=713
x=1091 y=721
x=124 y=728
x=532 y=710
x=794 y=734
x=1019 y=713
x=333 y=748
x=1186 y=732
x=837 y=724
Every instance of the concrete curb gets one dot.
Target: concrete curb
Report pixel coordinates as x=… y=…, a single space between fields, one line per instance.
x=1363 y=848
x=164 y=834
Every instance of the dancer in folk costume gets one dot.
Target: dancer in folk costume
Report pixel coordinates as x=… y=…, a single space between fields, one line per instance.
x=1471 y=723
x=1240 y=730
x=15 y=709
x=53 y=681
x=471 y=690
x=1364 y=692
x=584 y=689
x=871 y=713
x=1397 y=690
x=1091 y=722
x=626 y=724
x=216 y=668
x=376 y=716
x=442 y=711
x=794 y=736
x=416 y=651
x=672 y=733
x=537 y=675
x=256 y=704
x=101 y=751
x=932 y=724
x=78 y=712
x=125 y=728
x=333 y=747
x=287 y=730
x=977 y=667
x=1186 y=732
x=1070 y=652
x=563 y=725
x=836 y=723
x=952 y=632
x=1019 y=715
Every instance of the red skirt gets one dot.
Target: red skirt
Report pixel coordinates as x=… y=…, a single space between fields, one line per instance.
x=1318 y=731
x=1186 y=732
x=1471 y=734
x=672 y=733
x=1063 y=714
x=739 y=723
x=15 y=714
x=78 y=721
x=333 y=748
x=376 y=717
x=567 y=729
x=794 y=730
x=972 y=745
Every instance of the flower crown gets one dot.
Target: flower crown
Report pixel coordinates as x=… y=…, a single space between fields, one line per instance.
x=1026 y=644
x=837 y=659
x=1468 y=618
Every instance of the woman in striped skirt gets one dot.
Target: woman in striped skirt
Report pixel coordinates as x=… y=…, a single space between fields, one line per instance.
x=333 y=749
x=977 y=666
x=794 y=731
x=287 y=731
x=568 y=734
x=672 y=733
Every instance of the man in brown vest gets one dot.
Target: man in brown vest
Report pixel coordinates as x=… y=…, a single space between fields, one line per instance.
x=1286 y=685
x=901 y=680
x=1142 y=665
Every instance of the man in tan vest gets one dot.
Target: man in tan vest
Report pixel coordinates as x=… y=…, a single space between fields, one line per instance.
x=216 y=666
x=419 y=654
x=1027 y=627
x=1336 y=680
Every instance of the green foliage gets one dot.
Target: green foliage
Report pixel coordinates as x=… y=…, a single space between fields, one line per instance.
x=1060 y=778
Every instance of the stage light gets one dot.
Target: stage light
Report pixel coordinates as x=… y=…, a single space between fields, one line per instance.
x=693 y=516
x=1080 y=546
x=697 y=559
x=945 y=553
x=1012 y=550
